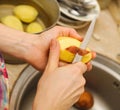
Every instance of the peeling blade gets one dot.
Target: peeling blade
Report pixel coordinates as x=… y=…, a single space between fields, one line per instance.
x=88 y=35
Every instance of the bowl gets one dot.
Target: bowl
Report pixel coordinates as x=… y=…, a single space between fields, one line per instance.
x=72 y=23
x=91 y=14
x=103 y=82
x=48 y=15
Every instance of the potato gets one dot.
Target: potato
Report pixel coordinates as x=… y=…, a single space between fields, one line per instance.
x=34 y=27
x=85 y=102
x=12 y=22
x=66 y=55
x=25 y=13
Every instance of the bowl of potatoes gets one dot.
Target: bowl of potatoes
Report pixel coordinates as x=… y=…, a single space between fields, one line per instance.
x=31 y=16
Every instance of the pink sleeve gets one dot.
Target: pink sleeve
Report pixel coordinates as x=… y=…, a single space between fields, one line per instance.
x=4 y=93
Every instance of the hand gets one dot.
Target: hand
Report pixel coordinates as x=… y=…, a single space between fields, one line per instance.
x=59 y=87
x=37 y=53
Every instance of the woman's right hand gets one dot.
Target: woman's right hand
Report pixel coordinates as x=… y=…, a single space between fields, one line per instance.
x=59 y=87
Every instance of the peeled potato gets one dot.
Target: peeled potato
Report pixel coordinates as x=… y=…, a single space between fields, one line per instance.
x=85 y=101
x=12 y=22
x=25 y=13
x=86 y=58
x=34 y=27
x=67 y=56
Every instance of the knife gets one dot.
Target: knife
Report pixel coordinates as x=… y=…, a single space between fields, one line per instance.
x=88 y=35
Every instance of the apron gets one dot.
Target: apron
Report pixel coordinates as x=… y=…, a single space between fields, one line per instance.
x=4 y=93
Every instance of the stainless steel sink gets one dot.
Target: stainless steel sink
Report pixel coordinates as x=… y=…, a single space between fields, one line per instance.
x=103 y=82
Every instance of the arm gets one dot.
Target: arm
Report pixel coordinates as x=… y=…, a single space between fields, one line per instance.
x=33 y=48
x=21 y=45
x=13 y=42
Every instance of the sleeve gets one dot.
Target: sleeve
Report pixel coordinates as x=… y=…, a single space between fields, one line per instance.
x=4 y=91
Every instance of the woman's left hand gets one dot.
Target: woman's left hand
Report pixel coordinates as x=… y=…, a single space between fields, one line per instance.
x=37 y=52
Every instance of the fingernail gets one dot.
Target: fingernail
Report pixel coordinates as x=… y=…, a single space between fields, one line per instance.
x=53 y=44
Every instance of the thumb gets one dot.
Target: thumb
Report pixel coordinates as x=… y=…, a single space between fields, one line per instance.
x=53 y=59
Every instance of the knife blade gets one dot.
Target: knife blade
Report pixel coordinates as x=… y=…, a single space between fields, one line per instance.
x=88 y=35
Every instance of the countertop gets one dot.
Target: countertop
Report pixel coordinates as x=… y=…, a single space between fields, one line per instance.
x=105 y=40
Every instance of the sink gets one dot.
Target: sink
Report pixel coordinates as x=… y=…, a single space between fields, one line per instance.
x=103 y=82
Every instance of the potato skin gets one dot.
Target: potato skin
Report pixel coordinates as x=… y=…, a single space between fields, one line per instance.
x=85 y=101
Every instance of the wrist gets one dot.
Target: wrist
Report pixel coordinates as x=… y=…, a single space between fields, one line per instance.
x=30 y=47
x=35 y=51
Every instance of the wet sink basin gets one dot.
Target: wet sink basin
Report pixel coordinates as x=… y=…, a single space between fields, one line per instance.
x=103 y=82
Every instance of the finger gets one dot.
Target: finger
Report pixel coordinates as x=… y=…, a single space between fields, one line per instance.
x=79 y=67
x=70 y=32
x=89 y=66
x=93 y=54
x=53 y=60
x=61 y=63
x=73 y=33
